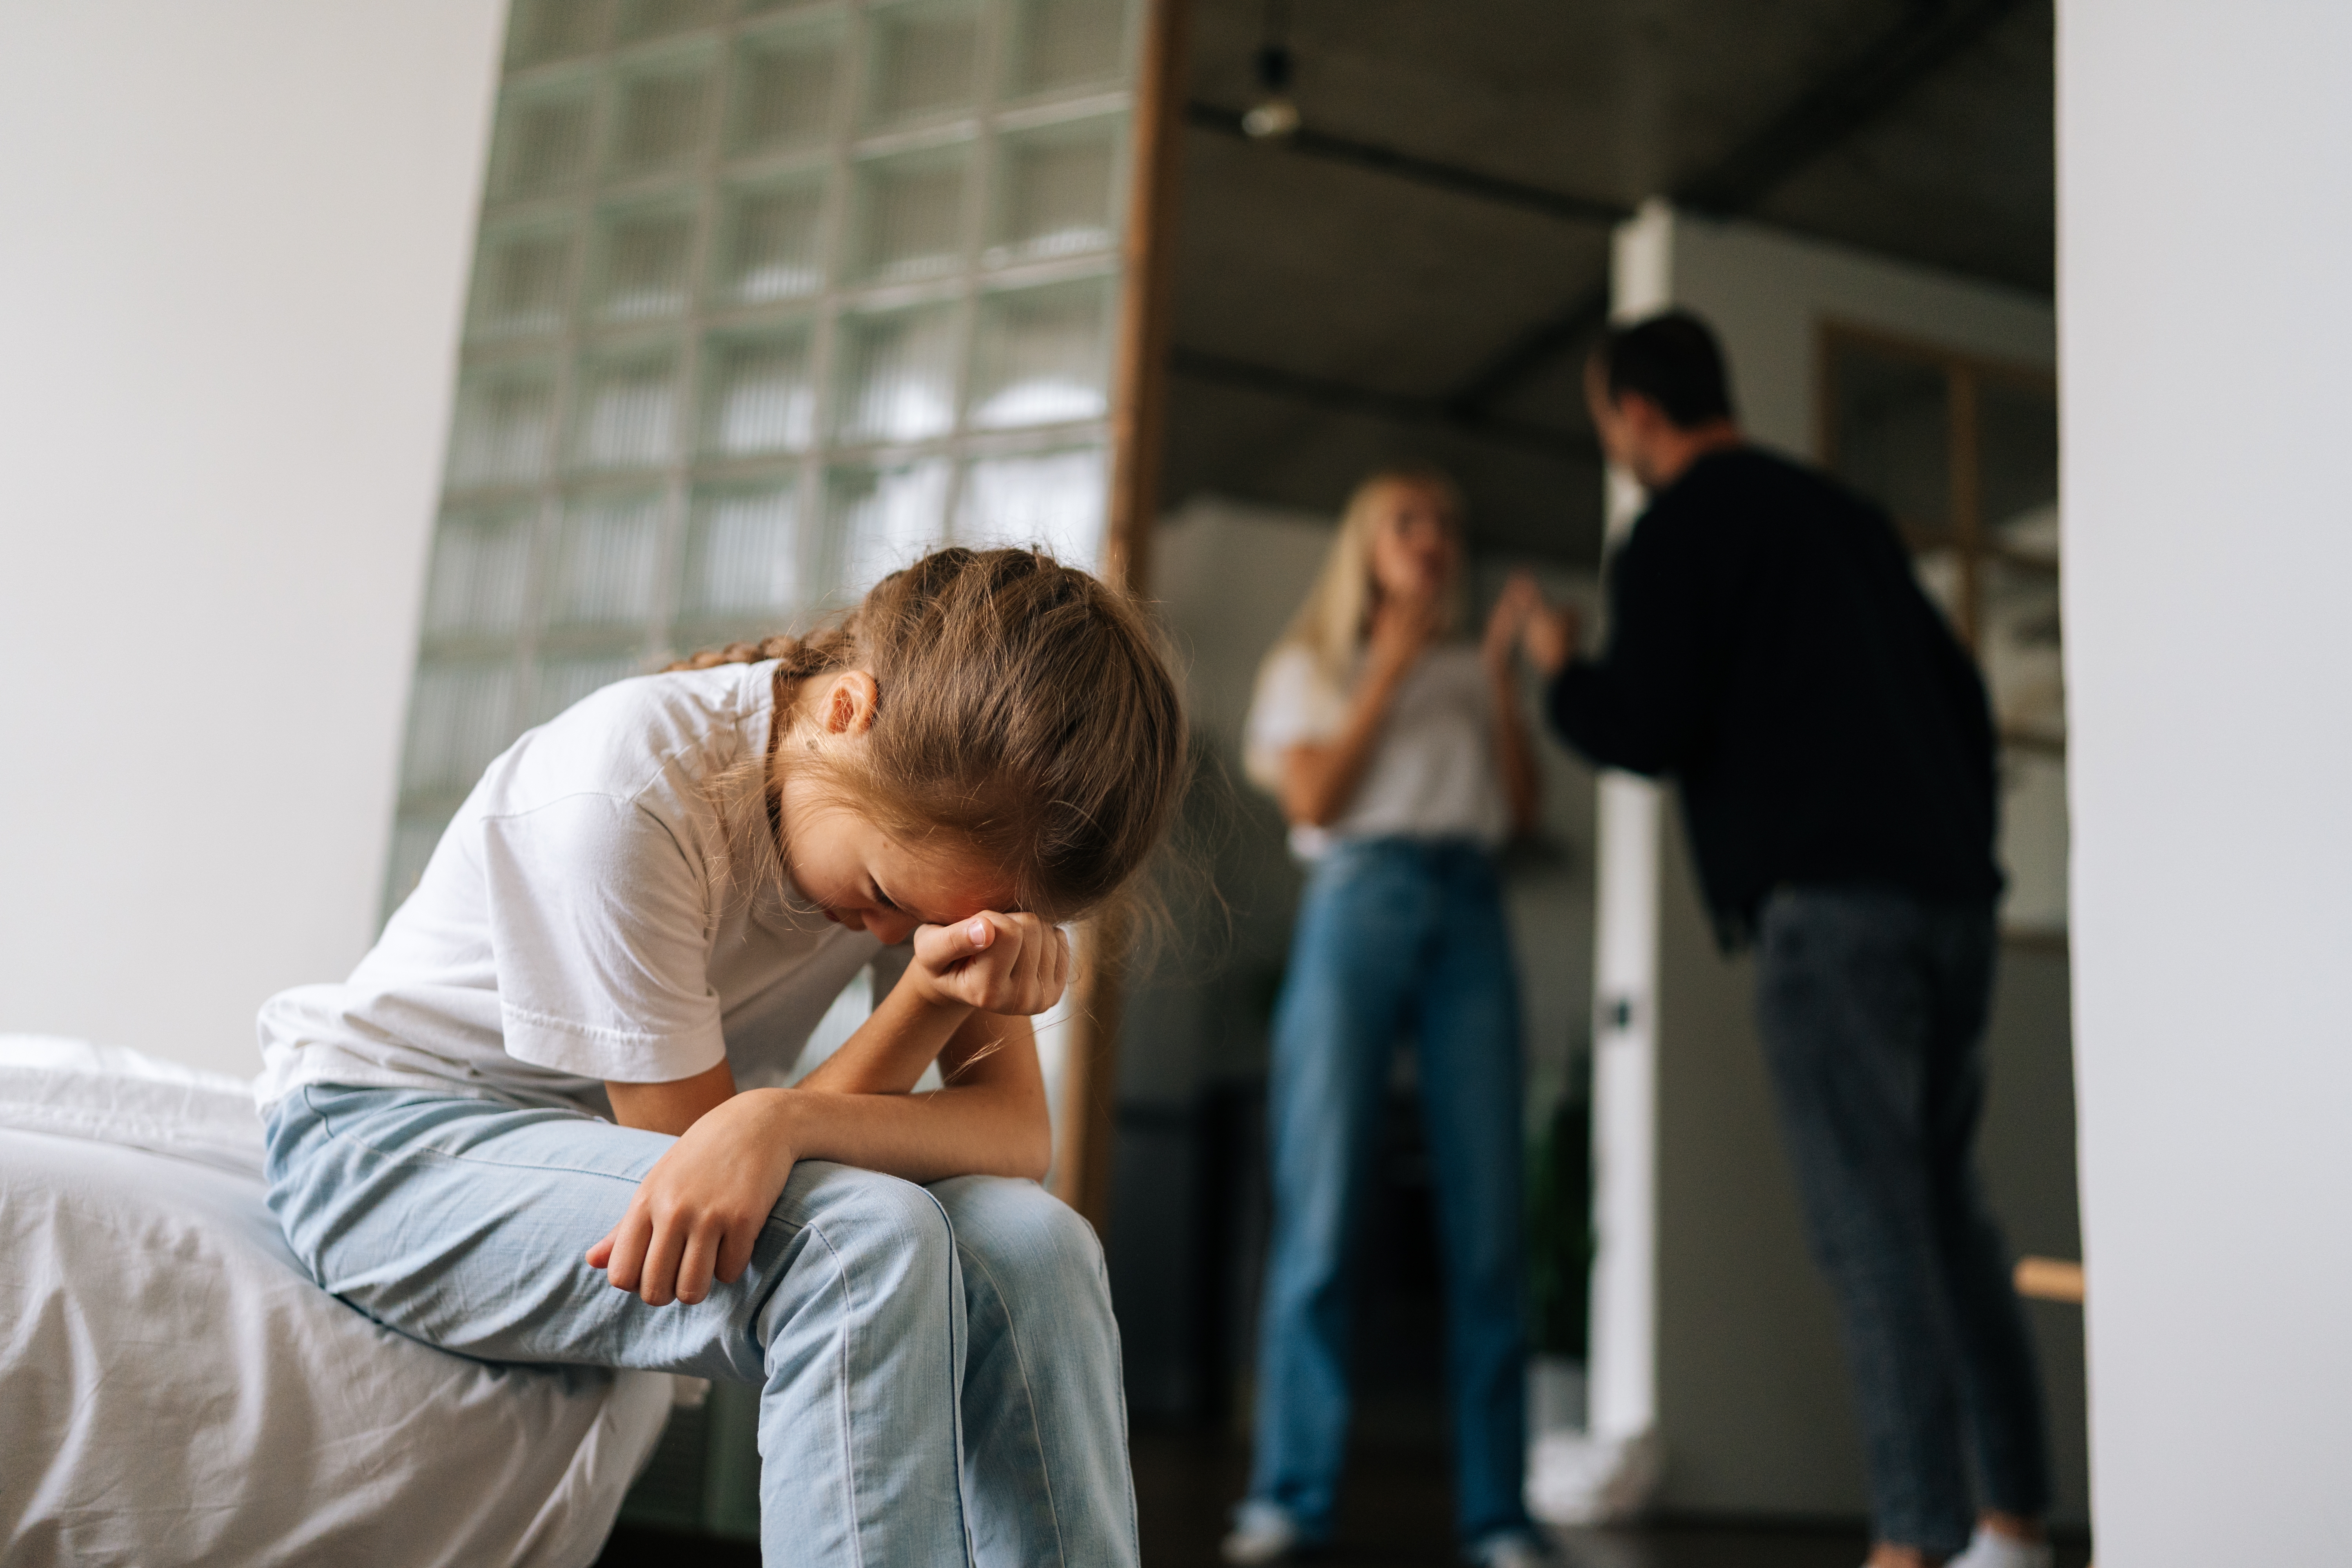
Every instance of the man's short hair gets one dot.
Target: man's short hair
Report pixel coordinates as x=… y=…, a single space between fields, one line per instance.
x=1672 y=360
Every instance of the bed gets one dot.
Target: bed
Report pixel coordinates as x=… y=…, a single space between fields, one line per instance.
x=174 y=1389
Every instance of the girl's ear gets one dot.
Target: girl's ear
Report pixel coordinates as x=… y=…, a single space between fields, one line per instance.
x=848 y=703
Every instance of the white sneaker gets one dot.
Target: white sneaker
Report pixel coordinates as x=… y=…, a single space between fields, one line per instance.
x=1987 y=1550
x=1261 y=1533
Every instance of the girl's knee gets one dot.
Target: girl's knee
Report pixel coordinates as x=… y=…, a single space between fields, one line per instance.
x=1017 y=1227
x=865 y=1212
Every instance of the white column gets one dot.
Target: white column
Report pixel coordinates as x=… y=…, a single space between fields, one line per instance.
x=1623 y=1367
x=1610 y=1471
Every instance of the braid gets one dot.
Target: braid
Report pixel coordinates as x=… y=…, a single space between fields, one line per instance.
x=829 y=646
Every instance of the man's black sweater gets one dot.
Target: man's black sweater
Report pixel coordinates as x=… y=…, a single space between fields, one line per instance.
x=1770 y=649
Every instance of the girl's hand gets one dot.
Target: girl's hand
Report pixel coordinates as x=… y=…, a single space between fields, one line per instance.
x=699 y=1211
x=991 y=964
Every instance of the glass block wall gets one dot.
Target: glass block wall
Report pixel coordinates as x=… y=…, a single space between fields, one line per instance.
x=768 y=298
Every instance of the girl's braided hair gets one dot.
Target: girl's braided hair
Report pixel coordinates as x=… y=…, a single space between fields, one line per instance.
x=1024 y=707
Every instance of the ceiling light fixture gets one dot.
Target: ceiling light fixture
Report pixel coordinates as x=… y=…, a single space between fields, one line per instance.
x=1275 y=116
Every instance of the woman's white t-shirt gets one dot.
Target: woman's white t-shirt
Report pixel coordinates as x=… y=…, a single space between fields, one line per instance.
x=578 y=922
x=1431 y=771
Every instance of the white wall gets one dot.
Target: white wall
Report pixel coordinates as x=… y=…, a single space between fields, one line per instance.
x=2204 y=224
x=231 y=267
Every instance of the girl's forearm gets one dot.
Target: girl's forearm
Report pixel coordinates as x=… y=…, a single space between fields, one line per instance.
x=891 y=1049
x=990 y=1128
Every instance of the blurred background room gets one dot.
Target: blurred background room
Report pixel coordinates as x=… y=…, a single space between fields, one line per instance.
x=439 y=362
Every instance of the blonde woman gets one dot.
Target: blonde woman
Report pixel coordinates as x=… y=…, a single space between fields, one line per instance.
x=1400 y=759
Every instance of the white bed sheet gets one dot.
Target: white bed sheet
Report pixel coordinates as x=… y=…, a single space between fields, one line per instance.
x=174 y=1389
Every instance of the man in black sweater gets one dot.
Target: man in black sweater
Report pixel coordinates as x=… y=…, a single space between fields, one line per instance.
x=1770 y=649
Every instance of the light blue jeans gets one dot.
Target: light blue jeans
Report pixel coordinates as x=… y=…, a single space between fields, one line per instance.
x=938 y=1366
x=1394 y=936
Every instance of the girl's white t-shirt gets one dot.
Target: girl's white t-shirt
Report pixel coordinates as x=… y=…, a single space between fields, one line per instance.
x=577 y=923
x=1432 y=771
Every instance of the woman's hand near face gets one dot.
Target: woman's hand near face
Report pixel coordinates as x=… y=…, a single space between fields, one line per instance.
x=1402 y=630
x=699 y=1211
x=992 y=963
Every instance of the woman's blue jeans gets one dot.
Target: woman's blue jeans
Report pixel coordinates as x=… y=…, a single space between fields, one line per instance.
x=1395 y=937
x=939 y=1368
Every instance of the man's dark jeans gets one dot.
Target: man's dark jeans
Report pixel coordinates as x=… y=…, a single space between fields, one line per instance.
x=1872 y=1005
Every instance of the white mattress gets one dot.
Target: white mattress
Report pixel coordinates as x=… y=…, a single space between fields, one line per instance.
x=174 y=1389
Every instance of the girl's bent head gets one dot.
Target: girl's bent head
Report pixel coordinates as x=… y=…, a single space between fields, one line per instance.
x=1004 y=711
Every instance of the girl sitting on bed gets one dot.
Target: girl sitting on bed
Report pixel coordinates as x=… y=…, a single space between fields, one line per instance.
x=528 y=1128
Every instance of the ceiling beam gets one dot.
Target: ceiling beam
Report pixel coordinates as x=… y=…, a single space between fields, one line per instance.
x=1931 y=34
x=1308 y=142
x=1391 y=407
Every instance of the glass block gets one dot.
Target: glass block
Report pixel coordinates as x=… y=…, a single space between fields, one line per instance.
x=522 y=283
x=1060 y=45
x=921 y=60
x=628 y=413
x=784 y=88
x=881 y=519
x=608 y=561
x=565 y=679
x=759 y=397
x=646 y=257
x=662 y=118
x=773 y=246
x=413 y=839
x=544 y=30
x=1055 y=191
x=1053 y=500
x=908 y=215
x=659 y=18
x=1040 y=356
x=898 y=375
x=482 y=574
x=457 y=721
x=743 y=554
x=544 y=142
x=505 y=427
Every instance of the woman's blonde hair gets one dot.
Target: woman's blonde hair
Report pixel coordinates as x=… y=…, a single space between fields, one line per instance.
x=1336 y=615
x=1024 y=707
